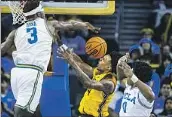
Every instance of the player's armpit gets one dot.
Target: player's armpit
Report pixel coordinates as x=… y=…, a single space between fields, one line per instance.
x=8 y=43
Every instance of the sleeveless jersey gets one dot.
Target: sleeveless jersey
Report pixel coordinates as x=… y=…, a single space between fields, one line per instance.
x=134 y=104
x=33 y=44
x=96 y=102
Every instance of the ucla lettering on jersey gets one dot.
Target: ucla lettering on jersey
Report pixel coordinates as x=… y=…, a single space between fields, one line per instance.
x=129 y=98
x=135 y=104
x=33 y=44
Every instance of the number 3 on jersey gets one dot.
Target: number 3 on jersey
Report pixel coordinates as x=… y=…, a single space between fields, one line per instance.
x=124 y=106
x=33 y=32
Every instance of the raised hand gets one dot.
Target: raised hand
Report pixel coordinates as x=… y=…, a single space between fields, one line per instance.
x=92 y=28
x=65 y=53
x=124 y=58
x=128 y=72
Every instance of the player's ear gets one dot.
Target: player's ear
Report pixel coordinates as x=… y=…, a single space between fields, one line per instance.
x=109 y=67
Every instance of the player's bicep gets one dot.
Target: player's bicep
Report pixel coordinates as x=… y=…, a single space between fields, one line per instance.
x=61 y=26
x=144 y=102
x=105 y=86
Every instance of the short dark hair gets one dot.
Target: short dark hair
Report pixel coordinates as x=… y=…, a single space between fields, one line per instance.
x=143 y=71
x=30 y=5
x=166 y=81
x=115 y=56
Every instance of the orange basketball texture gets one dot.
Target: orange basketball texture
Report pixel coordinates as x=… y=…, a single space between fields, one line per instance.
x=96 y=47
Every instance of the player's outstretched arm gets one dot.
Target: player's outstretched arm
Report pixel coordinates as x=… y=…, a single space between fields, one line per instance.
x=67 y=54
x=5 y=46
x=84 y=66
x=106 y=86
x=74 y=25
x=144 y=89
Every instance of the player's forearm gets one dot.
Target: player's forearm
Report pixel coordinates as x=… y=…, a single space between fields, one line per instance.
x=77 y=58
x=145 y=90
x=82 y=77
x=85 y=67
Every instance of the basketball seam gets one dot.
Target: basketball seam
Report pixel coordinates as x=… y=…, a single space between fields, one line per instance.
x=98 y=51
x=95 y=47
x=92 y=42
x=103 y=50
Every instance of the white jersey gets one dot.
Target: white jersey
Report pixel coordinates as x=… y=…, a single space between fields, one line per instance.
x=134 y=104
x=33 y=44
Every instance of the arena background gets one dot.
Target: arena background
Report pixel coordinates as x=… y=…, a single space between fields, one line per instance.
x=124 y=23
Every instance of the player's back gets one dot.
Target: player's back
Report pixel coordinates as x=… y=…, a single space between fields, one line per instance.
x=33 y=44
x=134 y=104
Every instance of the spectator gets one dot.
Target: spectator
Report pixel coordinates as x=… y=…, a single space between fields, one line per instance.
x=166 y=51
x=147 y=33
x=165 y=61
x=7 y=98
x=164 y=93
x=167 y=112
x=165 y=88
x=146 y=45
x=5 y=111
x=72 y=40
x=168 y=71
x=135 y=51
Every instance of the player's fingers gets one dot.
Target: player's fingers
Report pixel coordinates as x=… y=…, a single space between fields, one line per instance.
x=120 y=66
x=126 y=66
x=59 y=52
x=60 y=57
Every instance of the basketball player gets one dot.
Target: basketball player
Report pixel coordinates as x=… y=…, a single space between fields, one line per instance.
x=33 y=42
x=99 y=81
x=138 y=97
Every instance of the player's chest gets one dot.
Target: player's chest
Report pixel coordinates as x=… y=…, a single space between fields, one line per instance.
x=130 y=96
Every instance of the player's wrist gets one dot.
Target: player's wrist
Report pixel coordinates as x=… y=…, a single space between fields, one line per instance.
x=134 y=78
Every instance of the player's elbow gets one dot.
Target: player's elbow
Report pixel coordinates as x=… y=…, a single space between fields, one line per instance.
x=87 y=84
x=151 y=96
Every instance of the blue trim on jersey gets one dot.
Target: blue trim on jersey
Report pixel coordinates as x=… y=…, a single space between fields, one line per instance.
x=30 y=66
x=142 y=103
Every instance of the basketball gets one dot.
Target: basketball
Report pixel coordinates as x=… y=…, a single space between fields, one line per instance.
x=96 y=47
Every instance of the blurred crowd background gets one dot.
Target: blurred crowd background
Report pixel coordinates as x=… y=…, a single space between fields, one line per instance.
x=141 y=27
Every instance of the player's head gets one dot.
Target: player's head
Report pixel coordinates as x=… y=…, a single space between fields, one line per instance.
x=109 y=62
x=143 y=71
x=33 y=9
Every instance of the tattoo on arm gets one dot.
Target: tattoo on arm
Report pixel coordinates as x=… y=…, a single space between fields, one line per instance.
x=85 y=67
x=105 y=85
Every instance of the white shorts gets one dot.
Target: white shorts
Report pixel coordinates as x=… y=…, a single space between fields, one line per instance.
x=26 y=85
